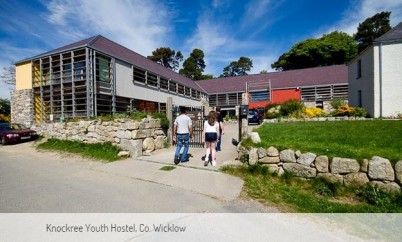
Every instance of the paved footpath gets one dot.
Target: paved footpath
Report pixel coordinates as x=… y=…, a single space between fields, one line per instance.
x=191 y=175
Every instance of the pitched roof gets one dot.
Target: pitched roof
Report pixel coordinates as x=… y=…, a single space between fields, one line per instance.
x=394 y=34
x=118 y=51
x=326 y=75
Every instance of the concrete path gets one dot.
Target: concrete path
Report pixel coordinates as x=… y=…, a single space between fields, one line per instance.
x=191 y=175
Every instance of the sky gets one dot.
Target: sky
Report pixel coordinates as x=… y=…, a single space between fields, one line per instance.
x=225 y=30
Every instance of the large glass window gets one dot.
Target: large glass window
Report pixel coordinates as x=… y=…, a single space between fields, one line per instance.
x=103 y=69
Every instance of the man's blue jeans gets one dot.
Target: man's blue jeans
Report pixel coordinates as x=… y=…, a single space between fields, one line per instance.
x=183 y=140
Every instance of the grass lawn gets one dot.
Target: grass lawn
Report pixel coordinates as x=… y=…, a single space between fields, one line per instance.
x=105 y=152
x=290 y=194
x=347 y=139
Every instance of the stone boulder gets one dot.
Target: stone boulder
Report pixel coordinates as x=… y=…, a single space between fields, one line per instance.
x=398 y=171
x=261 y=153
x=148 y=144
x=321 y=163
x=287 y=156
x=300 y=170
x=331 y=178
x=160 y=142
x=380 y=169
x=269 y=160
x=255 y=137
x=253 y=157
x=355 y=179
x=364 y=166
x=134 y=146
x=390 y=187
x=306 y=159
x=344 y=165
x=272 y=151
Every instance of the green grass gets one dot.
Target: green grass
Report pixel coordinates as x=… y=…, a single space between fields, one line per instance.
x=105 y=151
x=290 y=194
x=167 y=168
x=348 y=139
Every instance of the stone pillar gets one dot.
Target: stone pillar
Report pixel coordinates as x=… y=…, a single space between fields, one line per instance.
x=22 y=107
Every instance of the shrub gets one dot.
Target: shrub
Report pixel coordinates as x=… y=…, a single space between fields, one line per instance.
x=292 y=108
x=164 y=120
x=227 y=117
x=325 y=188
x=345 y=110
x=272 y=110
x=5 y=118
x=374 y=195
x=359 y=112
x=313 y=112
x=337 y=103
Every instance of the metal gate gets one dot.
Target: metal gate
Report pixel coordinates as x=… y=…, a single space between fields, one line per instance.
x=197 y=116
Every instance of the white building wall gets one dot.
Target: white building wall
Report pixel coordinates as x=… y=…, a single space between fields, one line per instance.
x=126 y=88
x=391 y=79
x=365 y=83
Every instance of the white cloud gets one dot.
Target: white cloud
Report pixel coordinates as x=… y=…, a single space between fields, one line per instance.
x=139 y=25
x=360 y=11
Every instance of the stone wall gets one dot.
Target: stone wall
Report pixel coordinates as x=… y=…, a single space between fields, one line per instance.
x=135 y=136
x=376 y=171
x=22 y=107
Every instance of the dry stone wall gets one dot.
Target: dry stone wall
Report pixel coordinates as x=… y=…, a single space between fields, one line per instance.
x=22 y=107
x=349 y=172
x=134 y=136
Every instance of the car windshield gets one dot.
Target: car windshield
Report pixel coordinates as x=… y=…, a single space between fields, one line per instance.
x=8 y=126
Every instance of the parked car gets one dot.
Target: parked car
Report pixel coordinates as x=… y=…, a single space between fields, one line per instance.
x=254 y=116
x=15 y=133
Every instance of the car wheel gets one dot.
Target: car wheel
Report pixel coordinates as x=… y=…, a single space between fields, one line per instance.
x=3 y=140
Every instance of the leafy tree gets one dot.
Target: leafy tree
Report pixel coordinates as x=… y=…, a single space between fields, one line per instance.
x=263 y=72
x=331 y=49
x=372 y=28
x=167 y=57
x=206 y=76
x=4 y=106
x=194 y=65
x=8 y=75
x=238 y=68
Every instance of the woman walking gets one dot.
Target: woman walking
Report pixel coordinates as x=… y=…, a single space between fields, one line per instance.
x=210 y=137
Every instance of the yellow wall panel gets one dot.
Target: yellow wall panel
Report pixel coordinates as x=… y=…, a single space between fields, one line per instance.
x=23 y=76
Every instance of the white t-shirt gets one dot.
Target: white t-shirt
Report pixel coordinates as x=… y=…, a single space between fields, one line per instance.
x=183 y=122
x=210 y=129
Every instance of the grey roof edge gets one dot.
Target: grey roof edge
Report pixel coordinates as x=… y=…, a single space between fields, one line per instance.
x=60 y=49
x=389 y=36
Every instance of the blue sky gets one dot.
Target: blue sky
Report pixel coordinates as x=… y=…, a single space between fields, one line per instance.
x=225 y=30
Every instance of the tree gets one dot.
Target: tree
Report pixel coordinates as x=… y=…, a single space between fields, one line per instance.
x=194 y=65
x=8 y=75
x=263 y=72
x=5 y=106
x=238 y=68
x=372 y=28
x=207 y=76
x=331 y=49
x=167 y=57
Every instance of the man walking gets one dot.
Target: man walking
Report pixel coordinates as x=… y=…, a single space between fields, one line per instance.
x=219 y=119
x=182 y=133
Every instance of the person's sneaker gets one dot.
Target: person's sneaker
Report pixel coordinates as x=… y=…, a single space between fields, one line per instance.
x=213 y=163
x=206 y=162
x=176 y=160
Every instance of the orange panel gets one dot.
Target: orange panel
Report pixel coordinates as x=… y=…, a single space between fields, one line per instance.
x=280 y=96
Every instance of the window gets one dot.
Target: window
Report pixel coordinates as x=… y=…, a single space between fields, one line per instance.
x=152 y=80
x=164 y=83
x=139 y=75
x=172 y=86
x=359 y=69
x=103 y=69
